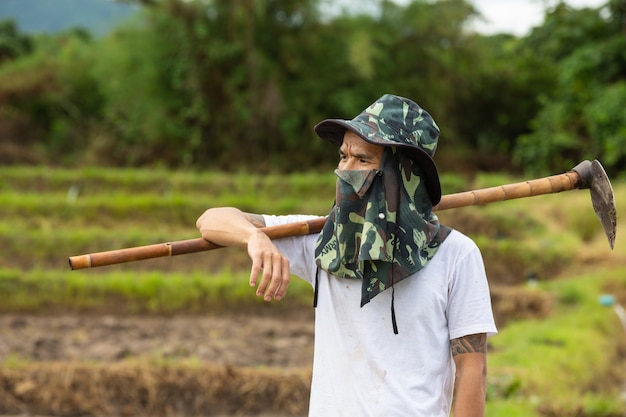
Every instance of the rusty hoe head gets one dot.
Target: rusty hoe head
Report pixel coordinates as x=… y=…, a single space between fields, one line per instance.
x=593 y=177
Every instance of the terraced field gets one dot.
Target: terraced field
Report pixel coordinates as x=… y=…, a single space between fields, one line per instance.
x=185 y=336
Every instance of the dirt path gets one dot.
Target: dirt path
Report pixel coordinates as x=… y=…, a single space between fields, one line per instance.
x=285 y=341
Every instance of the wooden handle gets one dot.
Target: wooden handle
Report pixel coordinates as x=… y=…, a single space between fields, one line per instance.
x=548 y=185
x=554 y=184
x=181 y=247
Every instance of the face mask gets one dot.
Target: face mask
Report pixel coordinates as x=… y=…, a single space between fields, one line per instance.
x=381 y=228
x=359 y=181
x=360 y=213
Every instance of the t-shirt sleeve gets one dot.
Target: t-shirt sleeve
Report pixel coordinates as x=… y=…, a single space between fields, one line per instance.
x=300 y=250
x=469 y=305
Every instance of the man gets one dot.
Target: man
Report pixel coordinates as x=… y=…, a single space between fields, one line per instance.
x=402 y=302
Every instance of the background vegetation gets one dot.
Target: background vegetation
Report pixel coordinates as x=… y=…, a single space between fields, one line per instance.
x=239 y=85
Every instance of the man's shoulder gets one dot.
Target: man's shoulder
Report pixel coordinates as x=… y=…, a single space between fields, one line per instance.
x=459 y=238
x=458 y=243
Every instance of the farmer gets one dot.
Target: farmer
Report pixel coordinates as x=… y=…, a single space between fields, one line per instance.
x=402 y=303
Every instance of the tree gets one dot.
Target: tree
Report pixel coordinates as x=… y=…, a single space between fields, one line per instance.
x=582 y=118
x=13 y=44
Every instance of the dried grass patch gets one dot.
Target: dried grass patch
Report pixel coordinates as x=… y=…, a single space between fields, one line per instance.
x=141 y=389
x=510 y=303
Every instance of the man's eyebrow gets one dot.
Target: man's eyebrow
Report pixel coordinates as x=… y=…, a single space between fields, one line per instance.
x=363 y=155
x=359 y=155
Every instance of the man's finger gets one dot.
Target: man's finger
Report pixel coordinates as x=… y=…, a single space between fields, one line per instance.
x=266 y=277
x=284 y=280
x=254 y=273
x=276 y=276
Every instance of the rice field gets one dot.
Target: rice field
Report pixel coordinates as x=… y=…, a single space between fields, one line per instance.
x=559 y=351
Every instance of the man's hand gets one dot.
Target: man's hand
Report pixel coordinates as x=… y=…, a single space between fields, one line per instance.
x=270 y=264
x=229 y=226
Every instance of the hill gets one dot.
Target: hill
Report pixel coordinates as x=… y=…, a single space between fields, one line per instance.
x=45 y=16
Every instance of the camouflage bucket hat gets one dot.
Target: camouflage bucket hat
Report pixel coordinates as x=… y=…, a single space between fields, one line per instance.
x=394 y=121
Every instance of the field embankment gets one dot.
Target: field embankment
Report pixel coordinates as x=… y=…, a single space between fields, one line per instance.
x=185 y=336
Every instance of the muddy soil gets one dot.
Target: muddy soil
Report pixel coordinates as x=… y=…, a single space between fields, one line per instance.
x=278 y=341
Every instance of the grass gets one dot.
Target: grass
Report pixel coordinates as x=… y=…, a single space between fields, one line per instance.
x=150 y=292
x=568 y=363
x=554 y=363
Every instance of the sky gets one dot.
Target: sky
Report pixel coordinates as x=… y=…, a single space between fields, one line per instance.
x=518 y=16
x=499 y=16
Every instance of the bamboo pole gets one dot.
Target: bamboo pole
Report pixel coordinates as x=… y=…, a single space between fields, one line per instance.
x=575 y=179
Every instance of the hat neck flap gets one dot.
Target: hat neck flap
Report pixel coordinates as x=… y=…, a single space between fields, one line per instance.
x=381 y=228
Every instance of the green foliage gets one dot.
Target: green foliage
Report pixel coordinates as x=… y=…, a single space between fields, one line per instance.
x=50 y=100
x=606 y=122
x=13 y=44
x=582 y=117
x=226 y=85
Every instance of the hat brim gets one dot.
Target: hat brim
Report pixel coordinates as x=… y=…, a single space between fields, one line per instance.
x=333 y=130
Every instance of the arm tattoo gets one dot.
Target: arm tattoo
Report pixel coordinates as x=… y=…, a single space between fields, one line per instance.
x=469 y=344
x=256 y=219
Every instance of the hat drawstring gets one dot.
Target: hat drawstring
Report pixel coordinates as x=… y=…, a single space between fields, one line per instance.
x=317 y=283
x=393 y=310
x=394 y=323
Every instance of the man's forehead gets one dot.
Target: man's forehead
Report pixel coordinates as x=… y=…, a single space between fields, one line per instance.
x=351 y=139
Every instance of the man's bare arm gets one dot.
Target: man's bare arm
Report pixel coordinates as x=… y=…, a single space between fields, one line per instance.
x=474 y=343
x=229 y=226
x=470 y=356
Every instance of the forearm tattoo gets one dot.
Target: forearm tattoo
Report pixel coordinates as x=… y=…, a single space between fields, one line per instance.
x=256 y=219
x=469 y=344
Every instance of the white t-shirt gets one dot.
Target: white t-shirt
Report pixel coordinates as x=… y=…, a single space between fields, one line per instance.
x=360 y=367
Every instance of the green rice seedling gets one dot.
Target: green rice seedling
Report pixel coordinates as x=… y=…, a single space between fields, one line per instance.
x=154 y=292
x=515 y=408
x=560 y=357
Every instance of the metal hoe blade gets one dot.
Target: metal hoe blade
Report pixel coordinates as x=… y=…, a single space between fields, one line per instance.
x=593 y=177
